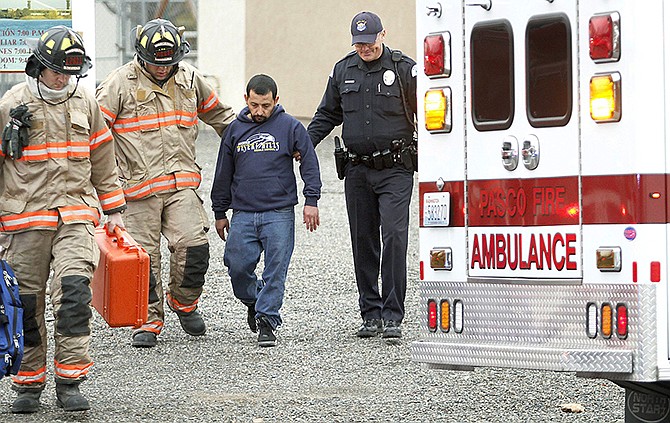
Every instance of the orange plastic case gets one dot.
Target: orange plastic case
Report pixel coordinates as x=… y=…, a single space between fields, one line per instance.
x=121 y=281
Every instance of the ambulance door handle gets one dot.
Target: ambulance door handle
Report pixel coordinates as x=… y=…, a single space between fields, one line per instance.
x=510 y=153
x=530 y=153
x=434 y=10
x=485 y=4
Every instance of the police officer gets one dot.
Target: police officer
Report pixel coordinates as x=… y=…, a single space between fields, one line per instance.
x=153 y=104
x=372 y=93
x=56 y=169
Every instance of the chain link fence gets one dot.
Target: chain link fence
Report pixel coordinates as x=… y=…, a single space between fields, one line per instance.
x=115 y=22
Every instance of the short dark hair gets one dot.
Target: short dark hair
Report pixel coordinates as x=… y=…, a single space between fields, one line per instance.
x=262 y=84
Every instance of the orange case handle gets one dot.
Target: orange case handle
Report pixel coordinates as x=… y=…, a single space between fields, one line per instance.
x=121 y=241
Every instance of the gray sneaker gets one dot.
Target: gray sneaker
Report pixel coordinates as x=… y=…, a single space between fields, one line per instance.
x=391 y=330
x=266 y=335
x=370 y=328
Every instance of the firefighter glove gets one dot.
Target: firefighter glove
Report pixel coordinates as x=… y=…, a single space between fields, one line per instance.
x=15 y=134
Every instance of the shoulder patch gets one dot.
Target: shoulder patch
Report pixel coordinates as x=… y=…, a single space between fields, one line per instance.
x=408 y=59
x=414 y=71
x=347 y=57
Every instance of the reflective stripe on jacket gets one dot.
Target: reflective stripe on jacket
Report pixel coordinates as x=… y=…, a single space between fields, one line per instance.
x=67 y=169
x=155 y=128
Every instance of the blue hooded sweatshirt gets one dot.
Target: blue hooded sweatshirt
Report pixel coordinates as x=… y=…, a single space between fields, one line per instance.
x=254 y=170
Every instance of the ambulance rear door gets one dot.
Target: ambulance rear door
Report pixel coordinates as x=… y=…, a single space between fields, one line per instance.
x=522 y=141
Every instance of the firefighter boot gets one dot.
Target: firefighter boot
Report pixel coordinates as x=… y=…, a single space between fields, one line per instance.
x=144 y=339
x=28 y=401
x=192 y=323
x=69 y=398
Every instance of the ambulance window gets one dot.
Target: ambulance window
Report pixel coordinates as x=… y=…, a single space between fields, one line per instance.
x=492 y=50
x=548 y=71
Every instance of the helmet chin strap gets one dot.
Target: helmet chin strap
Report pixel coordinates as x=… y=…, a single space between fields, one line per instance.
x=60 y=102
x=174 y=70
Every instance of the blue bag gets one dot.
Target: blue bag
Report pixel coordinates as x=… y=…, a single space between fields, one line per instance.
x=11 y=323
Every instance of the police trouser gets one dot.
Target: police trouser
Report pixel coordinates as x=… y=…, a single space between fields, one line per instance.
x=71 y=252
x=180 y=217
x=379 y=198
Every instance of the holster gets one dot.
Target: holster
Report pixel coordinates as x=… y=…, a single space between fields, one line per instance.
x=341 y=158
x=377 y=161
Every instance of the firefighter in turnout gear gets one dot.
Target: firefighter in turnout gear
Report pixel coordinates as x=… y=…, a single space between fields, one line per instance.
x=56 y=170
x=152 y=105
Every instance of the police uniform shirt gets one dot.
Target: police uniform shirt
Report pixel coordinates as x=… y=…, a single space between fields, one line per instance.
x=366 y=99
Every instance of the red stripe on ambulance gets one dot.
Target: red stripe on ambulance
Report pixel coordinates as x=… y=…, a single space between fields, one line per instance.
x=606 y=199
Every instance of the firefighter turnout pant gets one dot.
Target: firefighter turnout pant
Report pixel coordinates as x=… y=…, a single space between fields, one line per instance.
x=72 y=253
x=181 y=218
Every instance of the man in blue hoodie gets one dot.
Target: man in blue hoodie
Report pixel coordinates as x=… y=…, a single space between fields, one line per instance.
x=255 y=178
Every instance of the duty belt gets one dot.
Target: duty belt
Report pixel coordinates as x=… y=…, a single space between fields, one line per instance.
x=398 y=154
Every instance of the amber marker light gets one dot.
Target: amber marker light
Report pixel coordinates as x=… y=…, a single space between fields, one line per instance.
x=445 y=316
x=436 y=110
x=606 y=320
x=606 y=97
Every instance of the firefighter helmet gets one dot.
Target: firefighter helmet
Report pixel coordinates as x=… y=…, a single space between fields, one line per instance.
x=160 y=43
x=60 y=49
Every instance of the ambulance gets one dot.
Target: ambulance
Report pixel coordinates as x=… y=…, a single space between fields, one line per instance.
x=543 y=190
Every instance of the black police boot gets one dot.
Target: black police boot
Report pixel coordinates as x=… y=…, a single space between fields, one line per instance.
x=370 y=328
x=69 y=398
x=28 y=401
x=143 y=339
x=192 y=323
x=266 y=335
x=251 y=317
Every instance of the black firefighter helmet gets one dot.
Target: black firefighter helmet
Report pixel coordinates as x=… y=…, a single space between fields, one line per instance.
x=160 y=43
x=60 y=49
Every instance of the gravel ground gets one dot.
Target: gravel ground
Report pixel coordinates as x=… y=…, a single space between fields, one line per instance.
x=319 y=370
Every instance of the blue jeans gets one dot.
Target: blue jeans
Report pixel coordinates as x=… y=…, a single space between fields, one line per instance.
x=252 y=233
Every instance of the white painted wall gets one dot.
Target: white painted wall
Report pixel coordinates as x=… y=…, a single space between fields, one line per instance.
x=83 y=21
x=222 y=48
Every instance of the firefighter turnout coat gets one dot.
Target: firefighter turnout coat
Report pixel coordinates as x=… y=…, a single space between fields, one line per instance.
x=66 y=168
x=49 y=204
x=155 y=127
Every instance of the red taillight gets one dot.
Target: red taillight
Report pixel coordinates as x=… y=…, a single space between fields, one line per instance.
x=621 y=321
x=421 y=270
x=433 y=55
x=436 y=55
x=432 y=315
x=604 y=37
x=655 y=271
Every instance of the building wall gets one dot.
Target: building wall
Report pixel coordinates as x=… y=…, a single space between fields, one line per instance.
x=297 y=42
x=222 y=47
